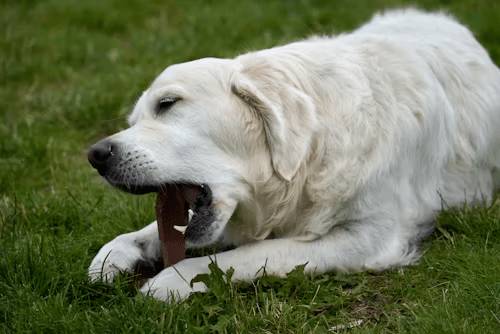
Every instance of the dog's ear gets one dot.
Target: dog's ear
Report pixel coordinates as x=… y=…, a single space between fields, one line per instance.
x=288 y=115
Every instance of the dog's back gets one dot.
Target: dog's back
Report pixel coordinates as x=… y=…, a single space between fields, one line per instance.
x=468 y=78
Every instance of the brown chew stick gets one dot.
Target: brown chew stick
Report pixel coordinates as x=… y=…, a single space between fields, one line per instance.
x=172 y=206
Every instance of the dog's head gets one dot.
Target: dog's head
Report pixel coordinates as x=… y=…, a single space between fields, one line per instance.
x=210 y=122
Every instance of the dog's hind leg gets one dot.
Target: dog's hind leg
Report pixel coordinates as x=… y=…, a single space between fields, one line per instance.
x=128 y=252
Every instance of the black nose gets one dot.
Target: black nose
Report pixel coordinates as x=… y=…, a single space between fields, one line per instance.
x=100 y=155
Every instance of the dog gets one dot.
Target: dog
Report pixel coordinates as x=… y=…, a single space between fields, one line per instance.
x=334 y=152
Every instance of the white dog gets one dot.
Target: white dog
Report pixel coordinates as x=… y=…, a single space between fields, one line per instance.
x=337 y=152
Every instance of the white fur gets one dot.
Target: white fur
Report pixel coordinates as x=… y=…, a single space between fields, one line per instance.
x=333 y=151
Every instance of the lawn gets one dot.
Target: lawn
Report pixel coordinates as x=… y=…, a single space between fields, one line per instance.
x=70 y=71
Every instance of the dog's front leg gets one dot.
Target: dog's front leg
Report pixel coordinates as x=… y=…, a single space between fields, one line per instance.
x=342 y=250
x=278 y=256
x=125 y=253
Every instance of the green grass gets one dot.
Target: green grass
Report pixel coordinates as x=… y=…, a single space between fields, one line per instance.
x=69 y=73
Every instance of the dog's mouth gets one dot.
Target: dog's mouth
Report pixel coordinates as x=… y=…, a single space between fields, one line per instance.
x=200 y=199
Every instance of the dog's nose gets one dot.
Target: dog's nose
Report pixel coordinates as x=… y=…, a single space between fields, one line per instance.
x=100 y=154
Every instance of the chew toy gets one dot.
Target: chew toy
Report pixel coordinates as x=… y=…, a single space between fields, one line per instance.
x=172 y=205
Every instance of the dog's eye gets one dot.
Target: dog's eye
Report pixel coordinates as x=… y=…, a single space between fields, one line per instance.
x=166 y=103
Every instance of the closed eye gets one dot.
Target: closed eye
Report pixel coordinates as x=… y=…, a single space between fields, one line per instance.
x=165 y=103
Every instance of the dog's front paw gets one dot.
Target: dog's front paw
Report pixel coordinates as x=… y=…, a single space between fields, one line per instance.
x=173 y=284
x=118 y=255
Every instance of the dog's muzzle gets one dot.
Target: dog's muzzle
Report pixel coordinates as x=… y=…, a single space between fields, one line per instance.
x=104 y=156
